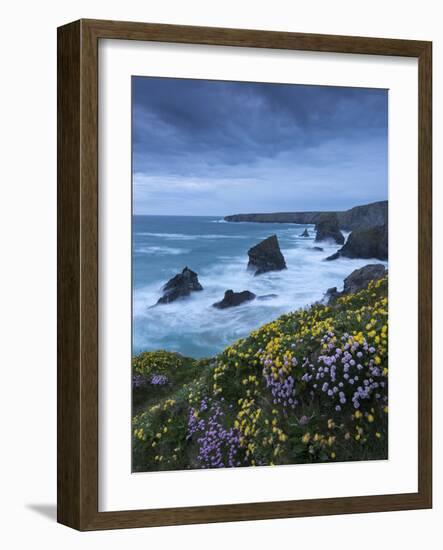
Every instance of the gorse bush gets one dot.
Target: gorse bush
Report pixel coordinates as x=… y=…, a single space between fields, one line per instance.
x=311 y=386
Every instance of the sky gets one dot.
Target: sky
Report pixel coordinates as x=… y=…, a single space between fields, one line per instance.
x=203 y=147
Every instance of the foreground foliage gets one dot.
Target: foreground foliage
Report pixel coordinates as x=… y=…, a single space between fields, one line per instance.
x=312 y=386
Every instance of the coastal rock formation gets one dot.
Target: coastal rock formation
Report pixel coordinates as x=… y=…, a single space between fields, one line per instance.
x=305 y=233
x=365 y=243
x=358 y=217
x=328 y=229
x=266 y=256
x=317 y=248
x=232 y=299
x=365 y=216
x=357 y=280
x=180 y=286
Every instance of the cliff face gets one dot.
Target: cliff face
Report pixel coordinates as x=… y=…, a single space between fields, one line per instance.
x=368 y=215
x=359 y=217
x=278 y=217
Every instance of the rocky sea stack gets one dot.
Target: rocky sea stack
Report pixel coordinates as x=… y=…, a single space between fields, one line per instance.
x=232 y=299
x=328 y=229
x=180 y=286
x=305 y=233
x=266 y=256
x=365 y=243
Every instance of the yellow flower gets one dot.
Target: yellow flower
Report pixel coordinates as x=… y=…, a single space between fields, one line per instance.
x=306 y=438
x=370 y=418
x=377 y=435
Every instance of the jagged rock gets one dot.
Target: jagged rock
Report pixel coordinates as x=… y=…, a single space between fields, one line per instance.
x=357 y=280
x=180 y=286
x=305 y=233
x=232 y=299
x=328 y=229
x=360 y=278
x=331 y=295
x=365 y=243
x=266 y=256
x=334 y=256
x=318 y=248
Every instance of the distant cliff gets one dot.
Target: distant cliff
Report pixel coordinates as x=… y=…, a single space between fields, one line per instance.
x=359 y=217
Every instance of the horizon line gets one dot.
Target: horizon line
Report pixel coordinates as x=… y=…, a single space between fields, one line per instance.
x=255 y=213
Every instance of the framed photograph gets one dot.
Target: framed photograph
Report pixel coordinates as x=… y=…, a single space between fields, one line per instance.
x=244 y=275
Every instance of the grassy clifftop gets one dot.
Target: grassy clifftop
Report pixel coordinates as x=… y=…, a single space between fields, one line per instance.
x=312 y=386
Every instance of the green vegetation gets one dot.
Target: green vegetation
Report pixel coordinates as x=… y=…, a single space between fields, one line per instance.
x=312 y=386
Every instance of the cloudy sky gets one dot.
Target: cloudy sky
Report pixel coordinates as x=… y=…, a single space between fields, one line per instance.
x=216 y=148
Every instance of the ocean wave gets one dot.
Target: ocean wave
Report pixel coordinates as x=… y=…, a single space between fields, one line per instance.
x=193 y=327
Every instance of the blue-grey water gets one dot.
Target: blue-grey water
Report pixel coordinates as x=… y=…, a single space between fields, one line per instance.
x=217 y=251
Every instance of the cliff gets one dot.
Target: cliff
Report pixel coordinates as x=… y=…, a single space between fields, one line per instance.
x=358 y=217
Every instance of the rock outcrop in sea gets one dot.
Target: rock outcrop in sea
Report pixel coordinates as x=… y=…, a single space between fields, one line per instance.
x=232 y=299
x=266 y=256
x=180 y=286
x=305 y=233
x=365 y=243
x=328 y=229
x=357 y=280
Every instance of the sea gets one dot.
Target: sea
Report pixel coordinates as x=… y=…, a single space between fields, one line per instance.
x=218 y=252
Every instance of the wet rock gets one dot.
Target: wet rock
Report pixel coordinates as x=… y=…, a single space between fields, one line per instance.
x=233 y=299
x=318 y=248
x=328 y=229
x=365 y=243
x=180 y=286
x=266 y=256
x=305 y=233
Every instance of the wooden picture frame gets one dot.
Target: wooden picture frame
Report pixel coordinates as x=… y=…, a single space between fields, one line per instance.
x=78 y=274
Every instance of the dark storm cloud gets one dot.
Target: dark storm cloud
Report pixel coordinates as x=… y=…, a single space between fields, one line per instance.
x=207 y=145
